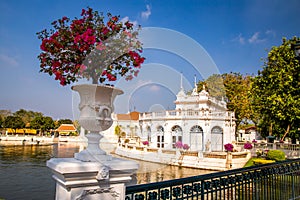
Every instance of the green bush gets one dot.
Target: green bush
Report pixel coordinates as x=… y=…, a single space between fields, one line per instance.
x=260 y=161
x=257 y=161
x=277 y=155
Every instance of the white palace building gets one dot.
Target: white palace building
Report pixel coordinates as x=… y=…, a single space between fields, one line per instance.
x=199 y=120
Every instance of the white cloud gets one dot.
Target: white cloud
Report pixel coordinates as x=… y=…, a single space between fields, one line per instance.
x=255 y=38
x=8 y=60
x=147 y=13
x=271 y=33
x=240 y=39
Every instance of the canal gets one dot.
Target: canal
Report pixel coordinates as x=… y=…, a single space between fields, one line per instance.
x=24 y=175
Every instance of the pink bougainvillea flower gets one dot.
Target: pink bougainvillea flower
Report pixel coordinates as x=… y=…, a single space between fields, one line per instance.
x=68 y=49
x=248 y=145
x=228 y=147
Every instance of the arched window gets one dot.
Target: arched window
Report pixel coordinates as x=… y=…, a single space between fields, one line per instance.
x=217 y=139
x=196 y=138
x=196 y=129
x=160 y=137
x=176 y=135
x=176 y=128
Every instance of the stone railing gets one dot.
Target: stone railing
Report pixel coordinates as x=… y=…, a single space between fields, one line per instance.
x=197 y=159
x=176 y=114
x=291 y=150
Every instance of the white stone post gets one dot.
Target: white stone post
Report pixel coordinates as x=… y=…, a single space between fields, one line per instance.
x=77 y=180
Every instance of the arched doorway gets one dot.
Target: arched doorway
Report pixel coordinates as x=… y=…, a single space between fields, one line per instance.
x=196 y=138
x=176 y=135
x=217 y=139
x=160 y=137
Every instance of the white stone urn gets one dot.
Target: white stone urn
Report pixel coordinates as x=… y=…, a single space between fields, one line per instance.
x=96 y=106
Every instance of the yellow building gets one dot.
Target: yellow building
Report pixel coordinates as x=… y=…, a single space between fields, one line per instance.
x=24 y=131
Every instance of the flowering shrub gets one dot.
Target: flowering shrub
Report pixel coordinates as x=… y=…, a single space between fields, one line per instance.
x=277 y=155
x=254 y=141
x=90 y=47
x=248 y=145
x=186 y=147
x=178 y=144
x=228 y=147
x=145 y=143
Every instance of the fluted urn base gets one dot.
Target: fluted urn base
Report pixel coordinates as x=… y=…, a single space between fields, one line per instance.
x=93 y=152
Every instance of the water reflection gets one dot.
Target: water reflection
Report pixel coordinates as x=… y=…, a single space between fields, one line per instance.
x=153 y=172
x=24 y=175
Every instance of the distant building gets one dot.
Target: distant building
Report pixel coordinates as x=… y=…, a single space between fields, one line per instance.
x=23 y=131
x=66 y=129
x=199 y=120
x=249 y=134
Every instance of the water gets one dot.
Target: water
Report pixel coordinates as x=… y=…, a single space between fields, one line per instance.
x=24 y=175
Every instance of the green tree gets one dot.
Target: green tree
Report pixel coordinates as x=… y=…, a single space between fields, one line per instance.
x=215 y=86
x=48 y=124
x=118 y=132
x=37 y=122
x=13 y=122
x=275 y=91
x=42 y=123
x=27 y=116
x=237 y=87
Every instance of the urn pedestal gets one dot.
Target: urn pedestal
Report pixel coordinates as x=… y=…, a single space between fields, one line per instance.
x=92 y=173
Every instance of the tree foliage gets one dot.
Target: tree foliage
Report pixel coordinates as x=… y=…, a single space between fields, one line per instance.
x=237 y=87
x=275 y=91
x=27 y=116
x=118 y=130
x=30 y=119
x=213 y=85
x=13 y=122
x=42 y=123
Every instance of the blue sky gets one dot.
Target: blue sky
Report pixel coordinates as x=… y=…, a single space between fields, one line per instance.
x=235 y=34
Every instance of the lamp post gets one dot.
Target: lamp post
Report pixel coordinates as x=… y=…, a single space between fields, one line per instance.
x=296 y=48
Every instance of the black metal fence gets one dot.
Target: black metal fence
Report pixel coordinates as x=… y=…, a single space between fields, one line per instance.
x=280 y=180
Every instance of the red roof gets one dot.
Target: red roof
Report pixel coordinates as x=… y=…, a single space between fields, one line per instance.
x=130 y=116
x=66 y=128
